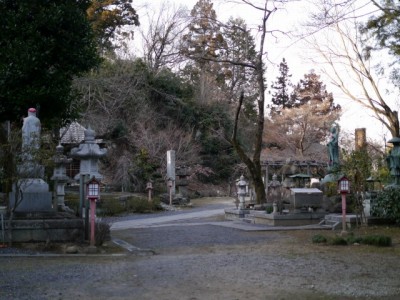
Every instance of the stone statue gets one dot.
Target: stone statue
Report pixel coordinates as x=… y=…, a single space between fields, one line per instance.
x=333 y=146
x=31 y=193
x=29 y=166
x=31 y=131
x=393 y=161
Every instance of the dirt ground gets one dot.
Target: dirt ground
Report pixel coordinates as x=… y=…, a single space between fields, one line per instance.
x=198 y=261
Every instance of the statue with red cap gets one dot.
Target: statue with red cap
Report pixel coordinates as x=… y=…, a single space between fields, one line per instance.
x=31 y=131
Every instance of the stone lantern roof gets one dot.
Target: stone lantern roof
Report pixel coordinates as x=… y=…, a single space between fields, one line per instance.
x=73 y=133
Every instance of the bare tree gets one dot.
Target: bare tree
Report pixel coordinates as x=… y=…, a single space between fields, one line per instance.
x=347 y=67
x=162 y=36
x=298 y=131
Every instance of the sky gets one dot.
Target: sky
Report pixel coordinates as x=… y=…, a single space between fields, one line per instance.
x=281 y=46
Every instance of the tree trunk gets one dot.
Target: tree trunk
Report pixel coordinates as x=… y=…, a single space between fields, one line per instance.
x=254 y=166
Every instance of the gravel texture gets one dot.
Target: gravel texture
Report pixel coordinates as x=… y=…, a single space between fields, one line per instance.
x=203 y=261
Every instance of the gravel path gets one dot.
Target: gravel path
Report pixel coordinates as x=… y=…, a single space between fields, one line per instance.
x=203 y=261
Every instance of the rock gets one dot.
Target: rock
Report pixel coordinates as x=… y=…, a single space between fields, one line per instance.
x=71 y=249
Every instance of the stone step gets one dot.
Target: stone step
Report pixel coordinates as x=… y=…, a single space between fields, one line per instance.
x=248 y=220
x=329 y=224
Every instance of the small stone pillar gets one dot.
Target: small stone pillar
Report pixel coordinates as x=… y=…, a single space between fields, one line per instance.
x=241 y=191
x=171 y=170
x=60 y=177
x=274 y=208
x=149 y=188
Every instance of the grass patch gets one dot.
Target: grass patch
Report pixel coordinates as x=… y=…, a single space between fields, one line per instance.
x=319 y=239
x=374 y=240
x=377 y=240
x=338 y=241
x=110 y=206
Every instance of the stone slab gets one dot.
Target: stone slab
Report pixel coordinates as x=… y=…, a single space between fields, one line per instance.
x=307 y=197
x=33 y=202
x=235 y=214
x=297 y=219
x=42 y=230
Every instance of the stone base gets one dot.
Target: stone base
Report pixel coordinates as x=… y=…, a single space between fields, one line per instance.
x=43 y=230
x=235 y=214
x=33 y=202
x=35 y=196
x=261 y=217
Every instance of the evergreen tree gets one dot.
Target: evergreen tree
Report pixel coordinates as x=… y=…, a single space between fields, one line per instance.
x=305 y=122
x=43 y=45
x=281 y=97
x=203 y=44
x=385 y=27
x=311 y=88
x=239 y=46
x=107 y=17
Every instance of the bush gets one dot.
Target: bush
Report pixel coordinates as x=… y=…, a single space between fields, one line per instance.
x=338 y=241
x=377 y=240
x=138 y=205
x=374 y=240
x=72 y=201
x=354 y=240
x=318 y=239
x=110 y=207
x=142 y=205
x=387 y=205
x=102 y=233
x=269 y=209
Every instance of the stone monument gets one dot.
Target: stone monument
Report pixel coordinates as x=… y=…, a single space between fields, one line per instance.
x=171 y=169
x=30 y=193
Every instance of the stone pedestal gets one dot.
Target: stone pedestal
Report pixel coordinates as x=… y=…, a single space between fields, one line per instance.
x=33 y=196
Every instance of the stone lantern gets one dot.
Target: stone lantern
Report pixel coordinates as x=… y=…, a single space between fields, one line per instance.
x=89 y=154
x=60 y=177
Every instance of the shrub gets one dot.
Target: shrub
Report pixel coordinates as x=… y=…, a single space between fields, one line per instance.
x=110 y=207
x=387 y=205
x=138 y=205
x=72 y=201
x=269 y=209
x=338 y=241
x=377 y=240
x=354 y=240
x=102 y=233
x=318 y=239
